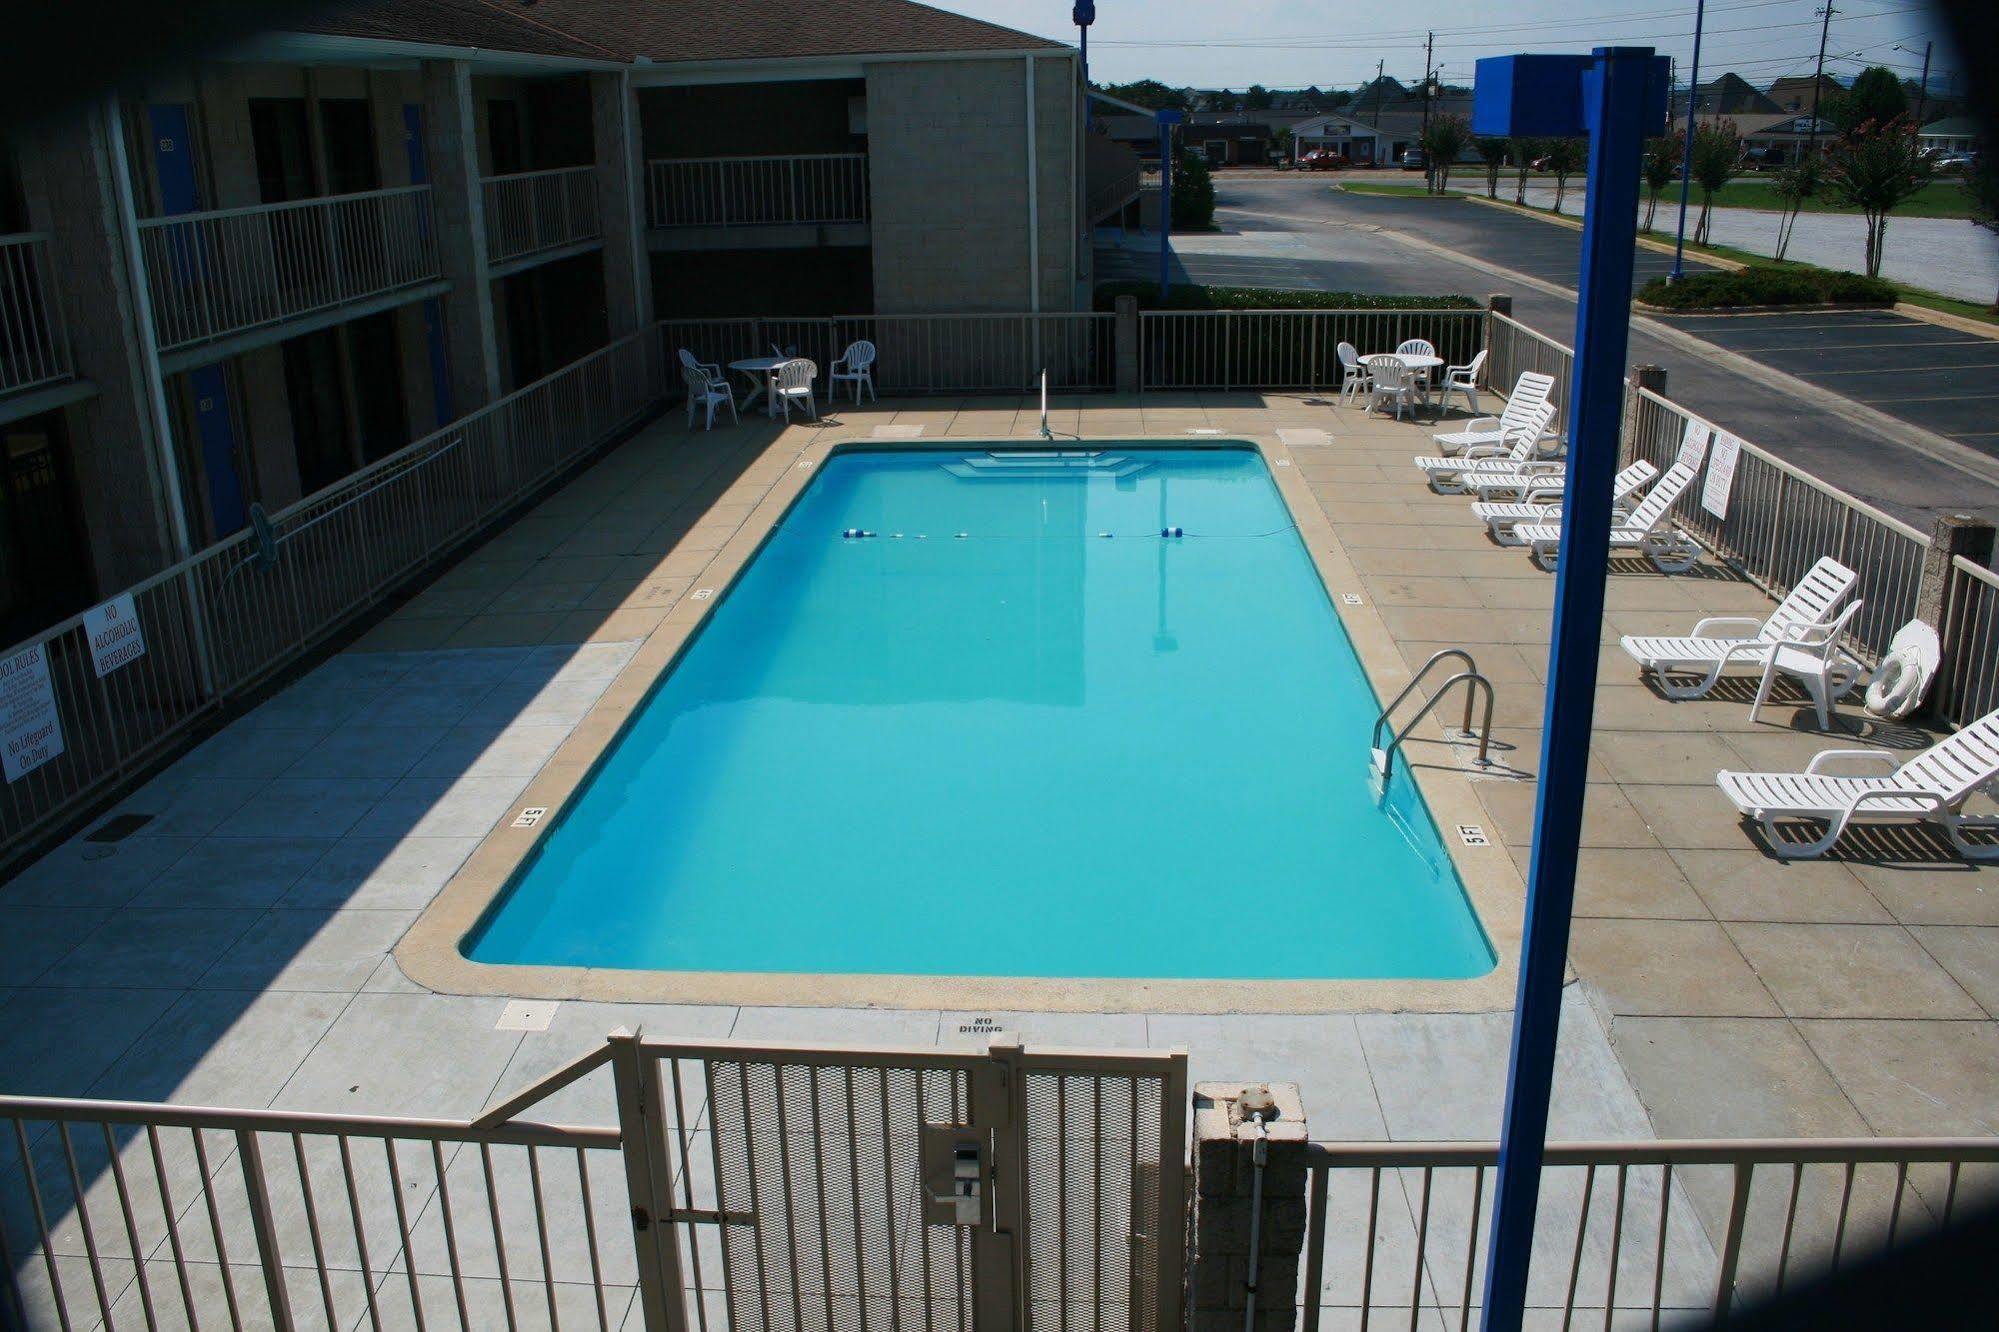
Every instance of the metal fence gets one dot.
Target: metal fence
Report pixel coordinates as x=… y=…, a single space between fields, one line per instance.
x=1628 y=1234
x=1967 y=685
x=534 y=211
x=214 y=273
x=222 y=621
x=757 y=191
x=1779 y=521
x=1513 y=348
x=1286 y=349
x=958 y=353
x=33 y=347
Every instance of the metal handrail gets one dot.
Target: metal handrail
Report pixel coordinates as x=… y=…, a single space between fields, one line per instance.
x=1384 y=758
x=285 y=206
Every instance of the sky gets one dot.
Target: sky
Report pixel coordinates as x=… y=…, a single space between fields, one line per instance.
x=1296 y=43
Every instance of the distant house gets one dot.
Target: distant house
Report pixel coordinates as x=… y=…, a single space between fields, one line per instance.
x=1795 y=94
x=1229 y=138
x=1957 y=134
x=1339 y=133
x=1729 y=95
x=1774 y=140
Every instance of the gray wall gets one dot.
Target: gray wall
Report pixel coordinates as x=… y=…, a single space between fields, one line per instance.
x=948 y=162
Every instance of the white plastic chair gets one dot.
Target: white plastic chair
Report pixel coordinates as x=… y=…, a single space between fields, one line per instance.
x=1418 y=347
x=1931 y=786
x=1540 y=498
x=1390 y=381
x=1531 y=389
x=705 y=392
x=791 y=382
x=1464 y=379
x=855 y=364
x=1455 y=476
x=1355 y=378
x=710 y=370
x=1646 y=532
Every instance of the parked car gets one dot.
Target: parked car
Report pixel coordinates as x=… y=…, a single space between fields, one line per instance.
x=1324 y=159
x=1955 y=161
x=1413 y=160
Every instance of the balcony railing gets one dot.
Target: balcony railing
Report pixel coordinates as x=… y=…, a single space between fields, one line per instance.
x=216 y=273
x=757 y=191
x=538 y=211
x=33 y=349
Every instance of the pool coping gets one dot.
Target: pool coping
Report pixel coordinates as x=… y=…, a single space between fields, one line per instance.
x=429 y=954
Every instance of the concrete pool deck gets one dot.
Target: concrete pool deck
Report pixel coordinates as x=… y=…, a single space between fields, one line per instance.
x=237 y=950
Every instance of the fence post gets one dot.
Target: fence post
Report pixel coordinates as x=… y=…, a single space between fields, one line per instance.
x=648 y=1182
x=1651 y=377
x=1226 y=1273
x=1126 y=338
x=1952 y=535
x=258 y=1199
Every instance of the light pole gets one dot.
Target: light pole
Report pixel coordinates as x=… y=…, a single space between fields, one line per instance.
x=1923 y=87
x=1085 y=13
x=1687 y=148
x=1166 y=118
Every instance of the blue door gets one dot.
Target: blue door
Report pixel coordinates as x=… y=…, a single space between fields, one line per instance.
x=215 y=427
x=433 y=309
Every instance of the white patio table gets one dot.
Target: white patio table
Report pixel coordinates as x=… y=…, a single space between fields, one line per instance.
x=758 y=369
x=1420 y=366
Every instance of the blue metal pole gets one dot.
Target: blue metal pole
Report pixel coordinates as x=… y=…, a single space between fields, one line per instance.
x=1614 y=100
x=1687 y=149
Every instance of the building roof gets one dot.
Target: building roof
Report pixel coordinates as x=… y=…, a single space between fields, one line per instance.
x=674 y=31
x=1795 y=92
x=1730 y=95
x=1953 y=127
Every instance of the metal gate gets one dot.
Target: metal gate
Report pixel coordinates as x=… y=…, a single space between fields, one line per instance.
x=827 y=1190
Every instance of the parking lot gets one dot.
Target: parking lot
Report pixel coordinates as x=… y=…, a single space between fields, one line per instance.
x=1938 y=378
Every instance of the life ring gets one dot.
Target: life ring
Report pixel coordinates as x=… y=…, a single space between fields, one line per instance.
x=1907 y=668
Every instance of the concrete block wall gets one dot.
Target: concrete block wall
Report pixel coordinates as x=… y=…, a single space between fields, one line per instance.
x=1224 y=1184
x=947 y=158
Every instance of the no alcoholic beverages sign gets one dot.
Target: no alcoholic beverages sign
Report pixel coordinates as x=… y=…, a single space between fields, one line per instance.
x=114 y=633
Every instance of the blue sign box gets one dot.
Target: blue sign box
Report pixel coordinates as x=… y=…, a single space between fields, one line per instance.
x=1546 y=96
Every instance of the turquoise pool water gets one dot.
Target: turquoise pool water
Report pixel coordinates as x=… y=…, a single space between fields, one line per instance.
x=1010 y=731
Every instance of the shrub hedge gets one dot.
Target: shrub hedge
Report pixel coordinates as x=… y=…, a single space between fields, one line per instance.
x=1766 y=286
x=1194 y=297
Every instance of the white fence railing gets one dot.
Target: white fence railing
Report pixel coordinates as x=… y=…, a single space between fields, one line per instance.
x=968 y=353
x=218 y=623
x=756 y=191
x=535 y=211
x=215 y=273
x=1967 y=685
x=1287 y=349
x=1629 y=1234
x=1513 y=348
x=33 y=348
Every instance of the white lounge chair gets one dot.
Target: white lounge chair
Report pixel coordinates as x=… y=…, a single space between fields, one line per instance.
x=1354 y=376
x=1543 y=483
x=1502 y=518
x=1645 y=532
x=1801 y=637
x=1932 y=786
x=1531 y=389
x=707 y=393
x=856 y=366
x=1452 y=476
x=1464 y=379
x=792 y=382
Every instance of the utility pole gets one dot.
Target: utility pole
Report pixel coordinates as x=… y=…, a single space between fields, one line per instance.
x=1429 y=167
x=1687 y=148
x=1922 y=87
x=1376 y=122
x=1818 y=77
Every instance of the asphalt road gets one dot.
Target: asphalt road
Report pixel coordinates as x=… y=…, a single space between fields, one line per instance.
x=1295 y=232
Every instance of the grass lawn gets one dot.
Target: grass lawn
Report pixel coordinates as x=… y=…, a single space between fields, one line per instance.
x=1942 y=198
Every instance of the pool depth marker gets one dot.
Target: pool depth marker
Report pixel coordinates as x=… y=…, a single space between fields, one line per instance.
x=1616 y=96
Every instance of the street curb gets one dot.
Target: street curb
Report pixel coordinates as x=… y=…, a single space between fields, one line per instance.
x=1658 y=246
x=1759 y=309
x=1945 y=319
x=1937 y=448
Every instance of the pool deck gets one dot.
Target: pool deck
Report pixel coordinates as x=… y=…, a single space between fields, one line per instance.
x=242 y=948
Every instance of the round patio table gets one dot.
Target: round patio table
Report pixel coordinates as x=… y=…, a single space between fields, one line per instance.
x=1420 y=366
x=758 y=369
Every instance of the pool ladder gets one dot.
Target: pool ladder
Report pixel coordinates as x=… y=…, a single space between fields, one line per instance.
x=1473 y=681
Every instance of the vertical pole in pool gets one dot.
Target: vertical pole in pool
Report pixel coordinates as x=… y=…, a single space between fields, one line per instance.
x=1617 y=87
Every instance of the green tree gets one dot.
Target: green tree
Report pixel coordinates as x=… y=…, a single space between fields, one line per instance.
x=1876 y=95
x=1257 y=98
x=1712 y=161
x=1149 y=93
x=1443 y=139
x=1795 y=182
x=1492 y=152
x=1876 y=168
x=1281 y=140
x=1524 y=152
x=1565 y=158
x=1193 y=192
x=1661 y=168
x=1981 y=183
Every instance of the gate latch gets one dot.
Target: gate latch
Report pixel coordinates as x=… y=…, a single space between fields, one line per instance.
x=954 y=1175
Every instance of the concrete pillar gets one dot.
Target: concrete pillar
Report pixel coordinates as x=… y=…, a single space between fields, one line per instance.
x=459 y=216
x=1222 y=1259
x=70 y=190
x=1500 y=303
x=1127 y=344
x=1952 y=534
x=614 y=119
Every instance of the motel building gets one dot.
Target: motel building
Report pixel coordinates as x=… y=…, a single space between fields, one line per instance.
x=236 y=283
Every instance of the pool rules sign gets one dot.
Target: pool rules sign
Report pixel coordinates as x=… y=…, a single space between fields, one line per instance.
x=30 y=729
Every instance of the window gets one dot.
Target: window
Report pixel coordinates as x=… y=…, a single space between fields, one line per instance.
x=347 y=132
x=280 y=135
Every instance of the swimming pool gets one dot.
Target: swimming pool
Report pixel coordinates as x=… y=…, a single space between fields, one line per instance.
x=971 y=713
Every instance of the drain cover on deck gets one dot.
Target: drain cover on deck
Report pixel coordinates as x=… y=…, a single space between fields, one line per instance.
x=898 y=431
